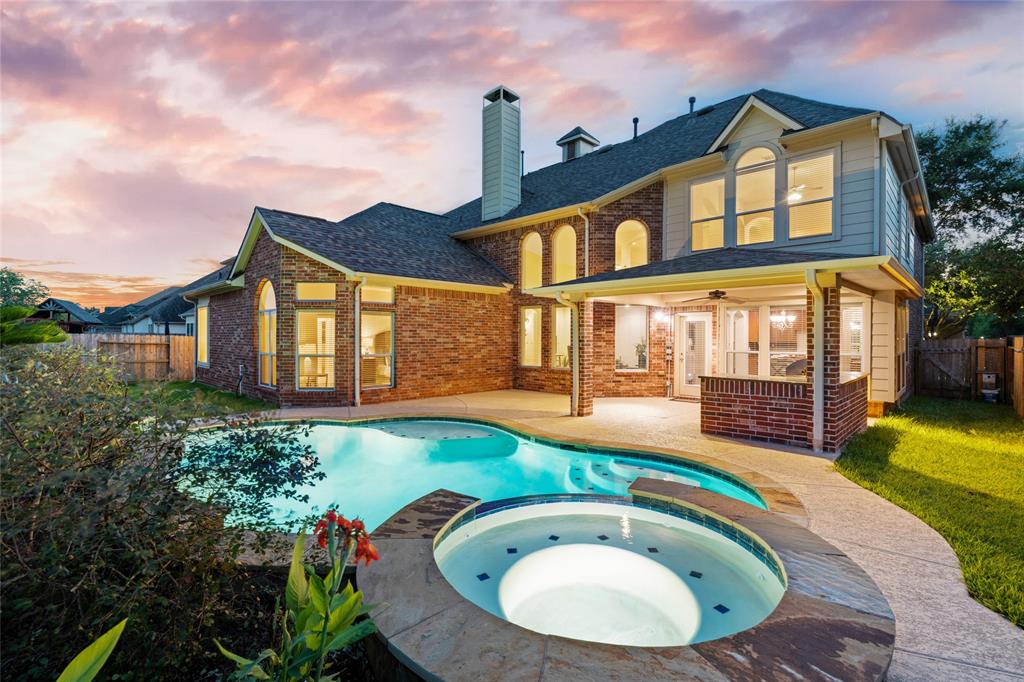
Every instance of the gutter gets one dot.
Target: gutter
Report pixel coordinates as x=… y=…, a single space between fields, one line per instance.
x=574 y=394
x=356 y=341
x=818 y=380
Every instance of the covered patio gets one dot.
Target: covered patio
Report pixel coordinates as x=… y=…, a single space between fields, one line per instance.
x=735 y=329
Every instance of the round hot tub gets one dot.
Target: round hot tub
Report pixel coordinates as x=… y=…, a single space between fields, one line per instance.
x=611 y=570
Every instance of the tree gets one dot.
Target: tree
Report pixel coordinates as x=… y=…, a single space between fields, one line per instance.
x=15 y=329
x=976 y=192
x=16 y=289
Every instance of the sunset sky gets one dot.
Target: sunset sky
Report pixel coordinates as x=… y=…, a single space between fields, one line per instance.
x=137 y=137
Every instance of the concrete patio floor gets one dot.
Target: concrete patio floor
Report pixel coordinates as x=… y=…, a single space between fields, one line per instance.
x=941 y=633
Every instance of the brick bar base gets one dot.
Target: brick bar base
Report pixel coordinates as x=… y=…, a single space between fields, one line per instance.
x=773 y=411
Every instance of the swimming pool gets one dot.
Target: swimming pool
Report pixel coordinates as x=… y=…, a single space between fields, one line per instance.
x=375 y=468
x=608 y=571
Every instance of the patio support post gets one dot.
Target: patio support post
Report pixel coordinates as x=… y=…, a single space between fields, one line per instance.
x=583 y=358
x=818 y=364
x=823 y=331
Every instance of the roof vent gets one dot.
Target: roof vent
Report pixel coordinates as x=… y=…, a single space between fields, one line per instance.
x=576 y=143
x=693 y=100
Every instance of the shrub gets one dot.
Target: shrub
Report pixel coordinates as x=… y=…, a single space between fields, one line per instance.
x=111 y=508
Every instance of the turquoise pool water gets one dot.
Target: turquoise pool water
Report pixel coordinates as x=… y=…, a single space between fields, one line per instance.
x=374 y=469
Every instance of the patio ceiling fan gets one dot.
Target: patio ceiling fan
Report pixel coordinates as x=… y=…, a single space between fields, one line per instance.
x=715 y=295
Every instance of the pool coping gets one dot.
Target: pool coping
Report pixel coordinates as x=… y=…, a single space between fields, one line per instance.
x=832 y=621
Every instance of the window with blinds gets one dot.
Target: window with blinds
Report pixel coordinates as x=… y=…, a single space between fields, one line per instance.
x=810 y=194
x=755 y=197
x=707 y=214
x=314 y=346
x=266 y=327
x=851 y=337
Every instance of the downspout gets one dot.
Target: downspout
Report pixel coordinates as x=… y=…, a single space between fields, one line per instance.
x=818 y=377
x=574 y=392
x=356 y=340
x=586 y=241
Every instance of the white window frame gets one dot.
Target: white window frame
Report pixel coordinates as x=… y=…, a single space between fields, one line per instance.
x=756 y=168
x=272 y=354
x=836 y=233
x=864 y=333
x=689 y=207
x=333 y=354
x=554 y=337
x=647 y=339
x=205 y=305
x=522 y=335
x=391 y=314
x=316 y=300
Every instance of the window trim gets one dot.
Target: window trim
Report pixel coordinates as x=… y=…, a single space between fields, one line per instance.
x=392 y=354
x=647 y=244
x=836 y=234
x=522 y=261
x=272 y=354
x=554 y=337
x=334 y=354
x=647 y=340
x=206 y=306
x=689 y=210
x=522 y=335
x=864 y=333
x=773 y=165
x=316 y=300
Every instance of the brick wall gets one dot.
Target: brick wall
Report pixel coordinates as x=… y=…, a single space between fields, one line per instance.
x=447 y=342
x=758 y=409
x=503 y=249
x=847 y=416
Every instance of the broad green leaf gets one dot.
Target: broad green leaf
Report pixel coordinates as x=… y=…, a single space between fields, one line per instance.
x=318 y=594
x=87 y=664
x=346 y=614
x=245 y=665
x=296 y=591
x=351 y=635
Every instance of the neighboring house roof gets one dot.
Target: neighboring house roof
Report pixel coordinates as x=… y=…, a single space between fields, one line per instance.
x=613 y=166
x=728 y=258
x=387 y=239
x=76 y=311
x=168 y=307
x=218 y=276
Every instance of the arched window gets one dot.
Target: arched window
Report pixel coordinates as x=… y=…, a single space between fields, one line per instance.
x=563 y=247
x=266 y=324
x=755 y=196
x=630 y=244
x=531 y=261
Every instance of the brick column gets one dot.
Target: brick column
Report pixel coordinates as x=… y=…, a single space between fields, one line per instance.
x=832 y=321
x=585 y=399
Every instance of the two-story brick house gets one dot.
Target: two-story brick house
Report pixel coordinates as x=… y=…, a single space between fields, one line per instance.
x=695 y=261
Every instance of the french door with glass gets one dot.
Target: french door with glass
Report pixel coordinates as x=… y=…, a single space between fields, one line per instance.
x=693 y=352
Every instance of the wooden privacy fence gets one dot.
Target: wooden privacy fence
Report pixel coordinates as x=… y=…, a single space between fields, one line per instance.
x=143 y=357
x=955 y=368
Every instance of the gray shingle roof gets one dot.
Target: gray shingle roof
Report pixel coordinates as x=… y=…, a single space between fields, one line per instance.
x=388 y=239
x=168 y=307
x=612 y=166
x=708 y=261
x=75 y=310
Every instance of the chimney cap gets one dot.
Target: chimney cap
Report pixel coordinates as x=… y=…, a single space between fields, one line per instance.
x=577 y=133
x=501 y=92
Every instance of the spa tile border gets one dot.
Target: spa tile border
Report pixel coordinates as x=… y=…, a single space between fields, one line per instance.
x=832 y=622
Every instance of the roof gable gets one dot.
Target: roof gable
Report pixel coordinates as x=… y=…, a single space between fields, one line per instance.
x=71 y=308
x=752 y=105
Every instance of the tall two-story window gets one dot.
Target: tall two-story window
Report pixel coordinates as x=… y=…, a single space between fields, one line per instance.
x=755 y=196
x=266 y=327
x=563 y=254
x=630 y=244
x=314 y=348
x=707 y=214
x=531 y=261
x=810 y=194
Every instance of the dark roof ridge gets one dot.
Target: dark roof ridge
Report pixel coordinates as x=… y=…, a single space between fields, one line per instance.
x=297 y=215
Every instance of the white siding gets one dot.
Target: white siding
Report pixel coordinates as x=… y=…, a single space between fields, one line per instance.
x=756 y=126
x=882 y=329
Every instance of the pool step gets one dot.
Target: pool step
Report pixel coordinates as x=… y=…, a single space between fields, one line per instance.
x=634 y=469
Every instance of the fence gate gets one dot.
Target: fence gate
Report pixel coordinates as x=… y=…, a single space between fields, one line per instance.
x=945 y=368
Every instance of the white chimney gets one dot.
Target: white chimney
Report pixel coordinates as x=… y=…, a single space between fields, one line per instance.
x=501 y=159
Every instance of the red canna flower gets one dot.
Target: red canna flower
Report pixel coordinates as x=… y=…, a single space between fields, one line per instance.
x=365 y=551
x=358 y=526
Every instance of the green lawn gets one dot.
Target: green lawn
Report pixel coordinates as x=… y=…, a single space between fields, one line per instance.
x=182 y=391
x=959 y=467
